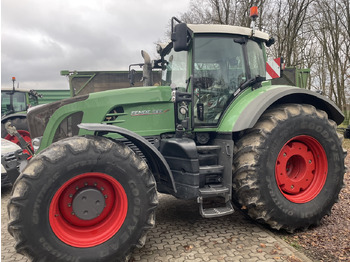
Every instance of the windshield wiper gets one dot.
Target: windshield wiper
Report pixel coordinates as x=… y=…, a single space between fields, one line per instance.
x=252 y=82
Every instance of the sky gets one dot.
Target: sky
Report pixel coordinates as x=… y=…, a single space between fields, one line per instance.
x=39 y=38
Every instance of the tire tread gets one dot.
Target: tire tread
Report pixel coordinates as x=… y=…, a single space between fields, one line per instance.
x=56 y=153
x=246 y=189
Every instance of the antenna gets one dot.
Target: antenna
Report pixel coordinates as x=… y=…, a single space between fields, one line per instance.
x=13 y=83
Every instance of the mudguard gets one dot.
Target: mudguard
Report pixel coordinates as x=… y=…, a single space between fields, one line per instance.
x=244 y=113
x=156 y=161
x=5 y=118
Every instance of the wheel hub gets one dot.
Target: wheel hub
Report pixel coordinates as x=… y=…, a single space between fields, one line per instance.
x=295 y=167
x=88 y=203
x=88 y=209
x=301 y=169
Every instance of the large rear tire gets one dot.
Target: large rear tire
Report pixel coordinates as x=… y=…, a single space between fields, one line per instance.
x=289 y=168
x=82 y=199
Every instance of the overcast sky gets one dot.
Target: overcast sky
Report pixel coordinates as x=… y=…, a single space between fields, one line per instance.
x=39 y=38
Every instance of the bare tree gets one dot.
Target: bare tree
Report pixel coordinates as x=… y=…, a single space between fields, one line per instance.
x=333 y=35
x=228 y=12
x=288 y=19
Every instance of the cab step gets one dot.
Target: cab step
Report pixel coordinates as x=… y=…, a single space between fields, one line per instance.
x=208 y=148
x=214 y=191
x=215 y=211
x=214 y=169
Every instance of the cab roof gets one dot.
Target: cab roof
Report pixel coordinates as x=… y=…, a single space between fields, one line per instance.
x=226 y=29
x=7 y=89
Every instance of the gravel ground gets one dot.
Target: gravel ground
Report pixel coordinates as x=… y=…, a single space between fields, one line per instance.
x=330 y=241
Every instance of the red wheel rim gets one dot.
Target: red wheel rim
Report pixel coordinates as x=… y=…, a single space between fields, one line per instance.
x=26 y=137
x=301 y=169
x=78 y=232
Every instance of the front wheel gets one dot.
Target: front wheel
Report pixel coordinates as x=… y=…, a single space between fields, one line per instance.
x=84 y=199
x=289 y=167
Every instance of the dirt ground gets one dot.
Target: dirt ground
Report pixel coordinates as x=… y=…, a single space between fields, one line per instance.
x=330 y=241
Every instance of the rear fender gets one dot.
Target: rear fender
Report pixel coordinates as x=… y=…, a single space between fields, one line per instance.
x=156 y=161
x=243 y=115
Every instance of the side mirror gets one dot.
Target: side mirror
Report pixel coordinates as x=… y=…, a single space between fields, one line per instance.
x=132 y=72
x=131 y=76
x=180 y=36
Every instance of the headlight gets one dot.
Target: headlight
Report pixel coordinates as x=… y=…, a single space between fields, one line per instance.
x=36 y=143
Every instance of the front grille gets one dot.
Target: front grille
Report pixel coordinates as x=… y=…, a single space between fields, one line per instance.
x=112 y=116
x=154 y=140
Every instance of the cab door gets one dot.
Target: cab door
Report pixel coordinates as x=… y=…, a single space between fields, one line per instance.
x=218 y=71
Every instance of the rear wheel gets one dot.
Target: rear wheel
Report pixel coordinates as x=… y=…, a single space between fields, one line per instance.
x=289 y=167
x=84 y=199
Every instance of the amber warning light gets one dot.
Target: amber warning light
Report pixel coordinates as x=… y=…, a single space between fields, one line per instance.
x=13 y=78
x=254 y=12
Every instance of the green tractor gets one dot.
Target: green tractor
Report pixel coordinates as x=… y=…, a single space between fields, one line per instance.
x=214 y=130
x=14 y=105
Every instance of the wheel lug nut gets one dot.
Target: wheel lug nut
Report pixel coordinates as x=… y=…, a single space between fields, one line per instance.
x=70 y=195
x=73 y=213
x=85 y=184
x=284 y=154
x=95 y=184
x=102 y=189
x=310 y=161
x=106 y=196
x=69 y=204
x=292 y=186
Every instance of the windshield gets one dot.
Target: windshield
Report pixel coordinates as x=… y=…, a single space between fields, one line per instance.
x=12 y=102
x=219 y=70
x=174 y=67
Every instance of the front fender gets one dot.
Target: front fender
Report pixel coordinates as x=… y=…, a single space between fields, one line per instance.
x=245 y=111
x=7 y=117
x=156 y=161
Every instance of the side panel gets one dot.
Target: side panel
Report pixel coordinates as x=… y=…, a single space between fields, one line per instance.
x=146 y=111
x=246 y=109
x=49 y=96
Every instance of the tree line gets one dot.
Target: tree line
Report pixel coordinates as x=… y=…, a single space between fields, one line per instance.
x=311 y=34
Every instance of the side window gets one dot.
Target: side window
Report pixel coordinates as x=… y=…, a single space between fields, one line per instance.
x=256 y=59
x=174 y=69
x=219 y=70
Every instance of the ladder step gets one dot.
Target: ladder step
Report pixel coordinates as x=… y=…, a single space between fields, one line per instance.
x=208 y=159
x=208 y=148
x=213 y=191
x=216 y=211
x=207 y=156
x=215 y=169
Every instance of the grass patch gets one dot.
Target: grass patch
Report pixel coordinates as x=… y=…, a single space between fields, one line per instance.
x=293 y=241
x=346 y=144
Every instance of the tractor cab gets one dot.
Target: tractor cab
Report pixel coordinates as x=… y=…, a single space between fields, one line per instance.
x=17 y=100
x=208 y=66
